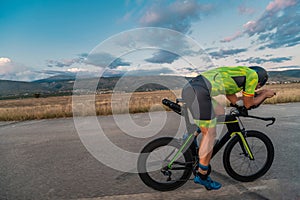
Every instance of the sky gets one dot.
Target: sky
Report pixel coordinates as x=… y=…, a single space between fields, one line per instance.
x=43 y=38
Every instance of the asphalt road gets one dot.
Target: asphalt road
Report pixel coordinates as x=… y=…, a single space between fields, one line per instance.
x=45 y=159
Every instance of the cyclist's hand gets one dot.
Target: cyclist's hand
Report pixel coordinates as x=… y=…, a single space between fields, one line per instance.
x=268 y=93
x=243 y=111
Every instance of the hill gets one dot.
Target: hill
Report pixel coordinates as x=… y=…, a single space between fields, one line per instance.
x=56 y=79
x=287 y=75
x=13 y=88
x=19 y=89
x=63 y=85
x=55 y=86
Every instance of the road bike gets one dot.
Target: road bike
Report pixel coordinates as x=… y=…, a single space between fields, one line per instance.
x=167 y=163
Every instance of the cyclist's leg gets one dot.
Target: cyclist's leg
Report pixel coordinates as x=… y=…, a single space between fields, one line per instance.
x=205 y=152
x=208 y=129
x=198 y=99
x=206 y=146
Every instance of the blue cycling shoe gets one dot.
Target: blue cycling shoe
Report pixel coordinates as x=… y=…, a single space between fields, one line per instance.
x=208 y=183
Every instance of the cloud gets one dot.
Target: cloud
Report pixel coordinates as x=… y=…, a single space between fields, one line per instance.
x=233 y=37
x=139 y=72
x=55 y=72
x=279 y=25
x=147 y=45
x=162 y=57
x=76 y=69
x=177 y=16
x=283 y=68
x=276 y=5
x=243 y=10
x=85 y=72
x=67 y=62
x=10 y=70
x=61 y=63
x=257 y=60
x=5 y=65
x=96 y=59
x=4 y=61
x=105 y=60
x=225 y=53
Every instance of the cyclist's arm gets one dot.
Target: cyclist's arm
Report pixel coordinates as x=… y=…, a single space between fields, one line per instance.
x=261 y=96
x=263 y=91
x=250 y=98
x=233 y=98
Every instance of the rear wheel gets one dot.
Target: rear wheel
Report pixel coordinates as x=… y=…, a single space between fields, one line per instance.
x=239 y=166
x=153 y=161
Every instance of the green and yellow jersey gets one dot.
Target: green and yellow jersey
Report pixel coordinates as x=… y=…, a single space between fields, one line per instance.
x=231 y=80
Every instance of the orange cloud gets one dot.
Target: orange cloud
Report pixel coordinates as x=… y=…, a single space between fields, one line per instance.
x=280 y=4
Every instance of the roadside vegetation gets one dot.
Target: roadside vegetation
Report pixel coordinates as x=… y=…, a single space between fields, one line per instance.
x=60 y=107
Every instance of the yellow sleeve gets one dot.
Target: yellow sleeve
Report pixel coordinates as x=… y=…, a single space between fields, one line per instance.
x=251 y=83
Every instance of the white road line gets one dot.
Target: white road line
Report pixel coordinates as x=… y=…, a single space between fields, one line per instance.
x=25 y=123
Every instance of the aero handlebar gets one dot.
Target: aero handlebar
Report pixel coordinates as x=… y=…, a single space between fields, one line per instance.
x=264 y=119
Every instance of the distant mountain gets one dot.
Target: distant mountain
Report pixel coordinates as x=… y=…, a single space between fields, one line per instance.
x=293 y=74
x=56 y=78
x=63 y=84
x=138 y=83
x=45 y=87
x=13 y=88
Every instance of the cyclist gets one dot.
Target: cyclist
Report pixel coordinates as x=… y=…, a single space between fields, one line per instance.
x=198 y=95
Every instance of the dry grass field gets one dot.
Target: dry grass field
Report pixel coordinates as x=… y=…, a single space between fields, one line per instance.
x=56 y=107
x=284 y=93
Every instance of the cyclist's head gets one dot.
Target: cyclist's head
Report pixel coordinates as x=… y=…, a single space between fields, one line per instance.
x=262 y=74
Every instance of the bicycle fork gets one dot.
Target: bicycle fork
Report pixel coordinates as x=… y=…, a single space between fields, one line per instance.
x=244 y=144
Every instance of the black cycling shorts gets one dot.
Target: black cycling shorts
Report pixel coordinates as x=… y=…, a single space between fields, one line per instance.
x=196 y=95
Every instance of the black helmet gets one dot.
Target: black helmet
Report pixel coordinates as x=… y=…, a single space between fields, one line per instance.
x=262 y=74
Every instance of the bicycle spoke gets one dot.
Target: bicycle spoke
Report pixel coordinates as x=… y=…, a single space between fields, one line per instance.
x=237 y=159
x=259 y=149
x=249 y=168
x=255 y=163
x=242 y=163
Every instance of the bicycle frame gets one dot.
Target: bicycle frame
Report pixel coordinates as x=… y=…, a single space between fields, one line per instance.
x=233 y=128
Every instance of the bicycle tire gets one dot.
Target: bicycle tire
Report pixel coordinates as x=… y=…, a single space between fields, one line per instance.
x=145 y=175
x=266 y=144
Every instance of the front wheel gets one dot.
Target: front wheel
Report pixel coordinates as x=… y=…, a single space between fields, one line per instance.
x=153 y=161
x=239 y=165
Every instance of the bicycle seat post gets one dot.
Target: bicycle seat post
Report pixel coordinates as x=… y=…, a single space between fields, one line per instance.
x=191 y=128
